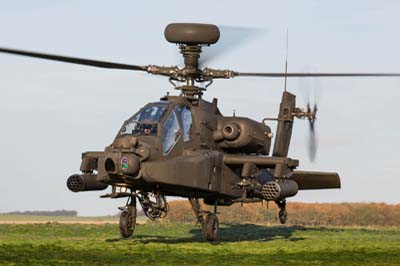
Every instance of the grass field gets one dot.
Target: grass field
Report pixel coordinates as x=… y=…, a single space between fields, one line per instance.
x=173 y=244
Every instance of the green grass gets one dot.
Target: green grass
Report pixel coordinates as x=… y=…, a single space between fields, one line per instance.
x=172 y=244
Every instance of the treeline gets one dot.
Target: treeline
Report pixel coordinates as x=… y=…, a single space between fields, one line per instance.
x=308 y=214
x=45 y=213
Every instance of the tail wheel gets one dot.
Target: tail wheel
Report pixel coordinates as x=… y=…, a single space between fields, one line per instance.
x=127 y=221
x=212 y=227
x=283 y=215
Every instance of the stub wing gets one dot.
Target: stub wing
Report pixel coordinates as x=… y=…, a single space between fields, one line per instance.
x=316 y=180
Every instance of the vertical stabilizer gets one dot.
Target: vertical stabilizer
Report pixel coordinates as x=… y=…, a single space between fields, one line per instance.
x=285 y=124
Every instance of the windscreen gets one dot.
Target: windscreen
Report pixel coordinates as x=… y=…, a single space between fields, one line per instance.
x=145 y=121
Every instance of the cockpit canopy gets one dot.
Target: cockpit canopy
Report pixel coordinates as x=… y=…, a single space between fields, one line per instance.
x=145 y=122
x=174 y=122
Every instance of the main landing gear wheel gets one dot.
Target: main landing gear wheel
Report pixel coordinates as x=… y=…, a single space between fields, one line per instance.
x=127 y=220
x=211 y=227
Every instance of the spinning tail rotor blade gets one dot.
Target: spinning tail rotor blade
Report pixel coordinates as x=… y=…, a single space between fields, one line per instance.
x=312 y=140
x=312 y=145
x=312 y=135
x=311 y=90
x=73 y=60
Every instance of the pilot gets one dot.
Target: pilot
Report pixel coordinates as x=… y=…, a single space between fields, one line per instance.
x=148 y=129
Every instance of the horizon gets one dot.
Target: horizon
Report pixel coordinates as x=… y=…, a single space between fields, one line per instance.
x=140 y=213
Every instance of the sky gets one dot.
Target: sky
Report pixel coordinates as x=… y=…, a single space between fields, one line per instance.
x=51 y=112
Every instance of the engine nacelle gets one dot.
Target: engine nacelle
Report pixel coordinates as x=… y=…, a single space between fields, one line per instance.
x=239 y=134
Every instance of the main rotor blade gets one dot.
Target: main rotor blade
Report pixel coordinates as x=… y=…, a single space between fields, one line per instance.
x=302 y=75
x=232 y=37
x=73 y=60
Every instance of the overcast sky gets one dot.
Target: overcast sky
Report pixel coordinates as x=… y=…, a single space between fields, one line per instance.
x=51 y=112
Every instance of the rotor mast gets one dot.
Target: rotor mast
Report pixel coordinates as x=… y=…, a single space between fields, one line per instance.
x=191 y=55
x=191 y=37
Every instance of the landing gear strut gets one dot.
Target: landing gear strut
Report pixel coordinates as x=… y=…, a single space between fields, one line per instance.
x=209 y=224
x=283 y=215
x=127 y=220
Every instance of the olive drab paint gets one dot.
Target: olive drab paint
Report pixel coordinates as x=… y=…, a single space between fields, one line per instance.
x=183 y=146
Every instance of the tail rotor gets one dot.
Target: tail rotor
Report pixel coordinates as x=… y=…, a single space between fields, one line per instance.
x=311 y=92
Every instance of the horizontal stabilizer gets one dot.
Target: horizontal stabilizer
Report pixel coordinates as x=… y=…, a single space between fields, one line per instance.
x=316 y=180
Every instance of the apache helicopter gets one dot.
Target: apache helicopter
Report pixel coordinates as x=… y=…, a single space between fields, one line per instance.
x=183 y=146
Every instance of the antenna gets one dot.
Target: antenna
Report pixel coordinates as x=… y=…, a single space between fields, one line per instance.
x=287 y=51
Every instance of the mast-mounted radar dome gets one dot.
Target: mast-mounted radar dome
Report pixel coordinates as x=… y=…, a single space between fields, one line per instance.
x=192 y=33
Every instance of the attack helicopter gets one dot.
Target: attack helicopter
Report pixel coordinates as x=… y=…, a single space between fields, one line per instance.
x=183 y=146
